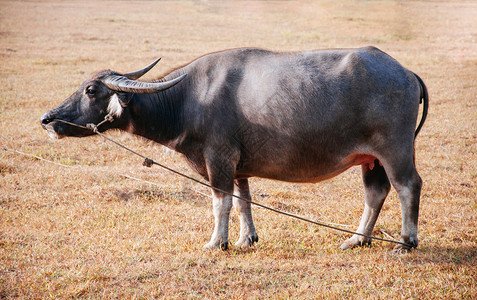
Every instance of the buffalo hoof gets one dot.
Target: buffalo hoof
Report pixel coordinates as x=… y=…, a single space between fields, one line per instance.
x=247 y=241
x=354 y=242
x=346 y=246
x=213 y=245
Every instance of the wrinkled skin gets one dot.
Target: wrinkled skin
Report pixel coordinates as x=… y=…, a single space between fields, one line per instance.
x=298 y=117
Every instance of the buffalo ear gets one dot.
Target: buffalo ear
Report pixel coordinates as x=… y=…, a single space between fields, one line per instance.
x=124 y=98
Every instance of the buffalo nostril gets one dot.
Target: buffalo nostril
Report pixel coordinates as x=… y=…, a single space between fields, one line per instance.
x=45 y=119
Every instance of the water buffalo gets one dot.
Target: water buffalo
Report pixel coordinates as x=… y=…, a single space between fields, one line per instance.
x=297 y=117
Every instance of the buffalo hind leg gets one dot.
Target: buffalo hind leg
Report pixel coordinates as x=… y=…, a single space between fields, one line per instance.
x=248 y=234
x=376 y=188
x=408 y=183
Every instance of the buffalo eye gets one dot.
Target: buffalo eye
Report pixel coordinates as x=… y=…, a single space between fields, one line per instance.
x=91 y=91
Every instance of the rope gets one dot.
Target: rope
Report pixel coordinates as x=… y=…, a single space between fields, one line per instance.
x=149 y=162
x=37 y=157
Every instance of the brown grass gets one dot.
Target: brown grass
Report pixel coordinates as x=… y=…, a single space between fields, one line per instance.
x=87 y=231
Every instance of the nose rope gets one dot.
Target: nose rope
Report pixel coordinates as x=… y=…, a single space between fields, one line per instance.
x=90 y=126
x=94 y=128
x=149 y=162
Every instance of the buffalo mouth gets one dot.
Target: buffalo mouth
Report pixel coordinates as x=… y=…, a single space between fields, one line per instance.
x=58 y=129
x=52 y=130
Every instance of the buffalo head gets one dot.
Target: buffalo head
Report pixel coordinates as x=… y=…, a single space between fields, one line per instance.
x=106 y=92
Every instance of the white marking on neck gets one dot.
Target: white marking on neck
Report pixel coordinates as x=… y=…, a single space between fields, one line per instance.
x=114 y=106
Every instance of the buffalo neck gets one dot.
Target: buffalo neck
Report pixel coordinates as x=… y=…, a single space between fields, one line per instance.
x=157 y=117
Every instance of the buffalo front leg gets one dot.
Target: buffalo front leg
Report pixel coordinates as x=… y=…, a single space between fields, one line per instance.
x=220 y=169
x=222 y=203
x=376 y=188
x=248 y=234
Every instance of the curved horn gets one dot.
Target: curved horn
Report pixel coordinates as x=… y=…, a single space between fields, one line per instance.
x=139 y=73
x=123 y=84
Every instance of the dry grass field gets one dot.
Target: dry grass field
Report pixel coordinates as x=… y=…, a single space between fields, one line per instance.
x=81 y=227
